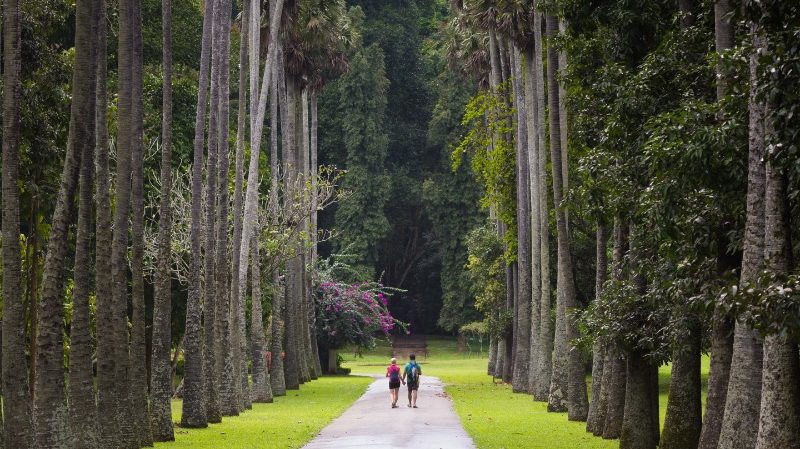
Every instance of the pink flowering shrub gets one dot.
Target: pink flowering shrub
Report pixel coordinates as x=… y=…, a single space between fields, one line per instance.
x=352 y=314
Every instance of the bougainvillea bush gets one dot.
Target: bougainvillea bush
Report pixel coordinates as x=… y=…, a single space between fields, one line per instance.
x=353 y=314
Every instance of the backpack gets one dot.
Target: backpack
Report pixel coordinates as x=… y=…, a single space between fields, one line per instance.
x=394 y=375
x=413 y=373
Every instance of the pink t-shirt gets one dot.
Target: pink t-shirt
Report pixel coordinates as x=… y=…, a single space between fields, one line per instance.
x=392 y=369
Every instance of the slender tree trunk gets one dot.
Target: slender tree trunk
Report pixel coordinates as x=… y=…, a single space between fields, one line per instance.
x=722 y=325
x=107 y=399
x=138 y=348
x=82 y=411
x=740 y=420
x=314 y=229
x=277 y=380
x=613 y=387
x=50 y=402
x=522 y=359
x=593 y=421
x=531 y=130
x=276 y=349
x=302 y=170
x=17 y=413
x=225 y=317
x=262 y=392
x=293 y=361
x=194 y=413
x=541 y=390
x=779 y=424
x=251 y=196
x=215 y=384
x=161 y=374
x=119 y=249
x=568 y=387
x=238 y=197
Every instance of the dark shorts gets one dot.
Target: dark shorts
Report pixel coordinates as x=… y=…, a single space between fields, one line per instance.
x=412 y=386
x=393 y=385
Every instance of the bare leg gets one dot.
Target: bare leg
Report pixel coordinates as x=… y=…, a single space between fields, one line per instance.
x=409 y=396
x=414 y=398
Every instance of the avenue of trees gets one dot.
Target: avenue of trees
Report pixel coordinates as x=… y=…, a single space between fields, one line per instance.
x=603 y=187
x=89 y=351
x=638 y=160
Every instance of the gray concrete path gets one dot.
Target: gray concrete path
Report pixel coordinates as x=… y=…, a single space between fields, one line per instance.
x=371 y=422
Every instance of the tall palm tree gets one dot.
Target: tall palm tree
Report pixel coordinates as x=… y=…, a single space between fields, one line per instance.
x=17 y=423
x=228 y=359
x=161 y=371
x=212 y=335
x=740 y=420
x=50 y=402
x=108 y=429
x=194 y=413
x=140 y=406
x=82 y=409
x=238 y=194
x=722 y=327
x=258 y=105
x=568 y=388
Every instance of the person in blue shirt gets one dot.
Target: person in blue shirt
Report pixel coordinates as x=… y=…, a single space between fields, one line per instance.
x=411 y=374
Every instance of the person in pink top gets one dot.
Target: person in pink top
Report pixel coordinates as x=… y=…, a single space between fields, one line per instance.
x=393 y=373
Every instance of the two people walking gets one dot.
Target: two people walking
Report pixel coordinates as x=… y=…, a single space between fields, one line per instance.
x=409 y=376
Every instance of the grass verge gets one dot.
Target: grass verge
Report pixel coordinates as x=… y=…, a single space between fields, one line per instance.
x=493 y=416
x=290 y=422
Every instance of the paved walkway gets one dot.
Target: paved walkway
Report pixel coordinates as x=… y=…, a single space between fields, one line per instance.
x=371 y=422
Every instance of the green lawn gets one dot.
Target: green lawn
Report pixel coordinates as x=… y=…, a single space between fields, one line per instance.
x=289 y=422
x=493 y=415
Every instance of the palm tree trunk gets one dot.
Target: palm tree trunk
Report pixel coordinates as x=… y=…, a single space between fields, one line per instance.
x=119 y=249
x=229 y=394
x=161 y=373
x=262 y=392
x=276 y=372
x=277 y=376
x=194 y=413
x=598 y=348
x=50 y=405
x=779 y=424
x=314 y=228
x=238 y=197
x=613 y=388
x=17 y=413
x=108 y=429
x=532 y=131
x=722 y=327
x=541 y=389
x=523 y=345
x=568 y=387
x=251 y=197
x=82 y=411
x=215 y=386
x=740 y=420
x=292 y=361
x=138 y=347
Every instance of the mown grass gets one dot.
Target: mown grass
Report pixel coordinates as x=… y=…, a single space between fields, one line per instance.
x=494 y=416
x=289 y=422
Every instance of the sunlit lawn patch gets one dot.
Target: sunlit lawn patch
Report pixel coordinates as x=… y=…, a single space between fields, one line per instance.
x=494 y=416
x=289 y=422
